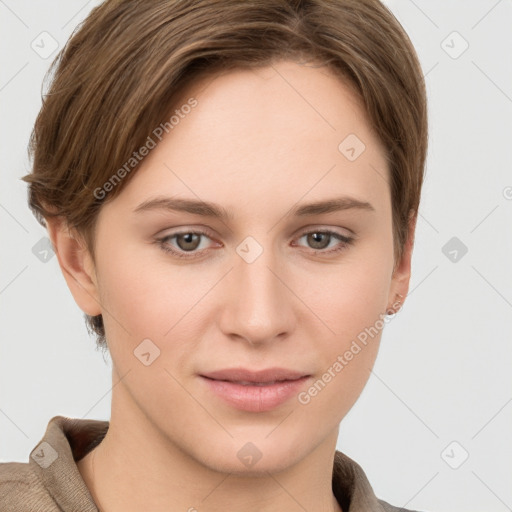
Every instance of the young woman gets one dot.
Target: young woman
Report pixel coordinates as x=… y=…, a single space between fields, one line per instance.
x=231 y=189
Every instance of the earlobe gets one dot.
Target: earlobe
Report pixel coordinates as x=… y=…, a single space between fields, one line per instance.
x=76 y=265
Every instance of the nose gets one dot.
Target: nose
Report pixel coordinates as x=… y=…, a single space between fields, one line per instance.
x=259 y=306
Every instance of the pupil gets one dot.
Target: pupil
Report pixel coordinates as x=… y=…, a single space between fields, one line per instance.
x=316 y=239
x=188 y=238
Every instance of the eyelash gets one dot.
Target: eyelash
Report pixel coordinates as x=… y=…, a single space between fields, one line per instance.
x=346 y=241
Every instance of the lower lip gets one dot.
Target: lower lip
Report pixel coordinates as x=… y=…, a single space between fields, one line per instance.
x=255 y=398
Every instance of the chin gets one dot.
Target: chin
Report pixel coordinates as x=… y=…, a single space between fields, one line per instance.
x=255 y=458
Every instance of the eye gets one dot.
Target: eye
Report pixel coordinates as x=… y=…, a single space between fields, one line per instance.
x=188 y=243
x=319 y=240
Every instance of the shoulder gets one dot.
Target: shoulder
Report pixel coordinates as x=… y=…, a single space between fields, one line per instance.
x=50 y=481
x=22 y=490
x=386 y=507
x=353 y=489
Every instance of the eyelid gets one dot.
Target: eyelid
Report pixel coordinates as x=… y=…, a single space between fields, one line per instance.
x=343 y=239
x=161 y=241
x=321 y=229
x=308 y=229
x=198 y=228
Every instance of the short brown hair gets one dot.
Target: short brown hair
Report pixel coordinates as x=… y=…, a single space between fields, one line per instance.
x=121 y=70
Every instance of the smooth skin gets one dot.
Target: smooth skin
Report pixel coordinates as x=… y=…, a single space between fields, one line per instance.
x=259 y=143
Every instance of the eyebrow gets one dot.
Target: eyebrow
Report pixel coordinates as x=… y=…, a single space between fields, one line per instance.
x=207 y=209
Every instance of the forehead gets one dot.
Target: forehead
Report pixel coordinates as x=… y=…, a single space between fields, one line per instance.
x=275 y=132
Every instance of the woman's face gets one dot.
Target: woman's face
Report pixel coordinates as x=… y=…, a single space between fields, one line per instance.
x=265 y=286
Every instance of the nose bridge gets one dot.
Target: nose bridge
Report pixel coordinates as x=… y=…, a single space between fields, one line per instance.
x=258 y=306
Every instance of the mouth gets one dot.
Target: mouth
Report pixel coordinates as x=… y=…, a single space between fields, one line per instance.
x=264 y=377
x=255 y=391
x=247 y=383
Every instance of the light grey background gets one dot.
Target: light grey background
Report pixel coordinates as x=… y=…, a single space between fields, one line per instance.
x=443 y=371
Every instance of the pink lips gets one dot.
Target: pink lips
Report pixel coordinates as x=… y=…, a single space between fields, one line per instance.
x=255 y=391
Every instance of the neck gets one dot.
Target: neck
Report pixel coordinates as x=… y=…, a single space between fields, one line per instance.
x=136 y=467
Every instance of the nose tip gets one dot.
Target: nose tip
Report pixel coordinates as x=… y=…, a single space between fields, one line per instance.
x=257 y=307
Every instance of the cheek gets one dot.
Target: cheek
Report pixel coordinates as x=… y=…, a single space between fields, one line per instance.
x=353 y=305
x=333 y=393
x=138 y=299
x=355 y=313
x=145 y=296
x=356 y=293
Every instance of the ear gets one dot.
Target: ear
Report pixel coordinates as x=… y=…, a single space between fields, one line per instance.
x=402 y=272
x=76 y=264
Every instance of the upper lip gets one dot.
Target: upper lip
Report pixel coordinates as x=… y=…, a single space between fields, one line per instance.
x=245 y=375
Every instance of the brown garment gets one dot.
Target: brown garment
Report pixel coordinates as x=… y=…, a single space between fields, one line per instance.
x=51 y=482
